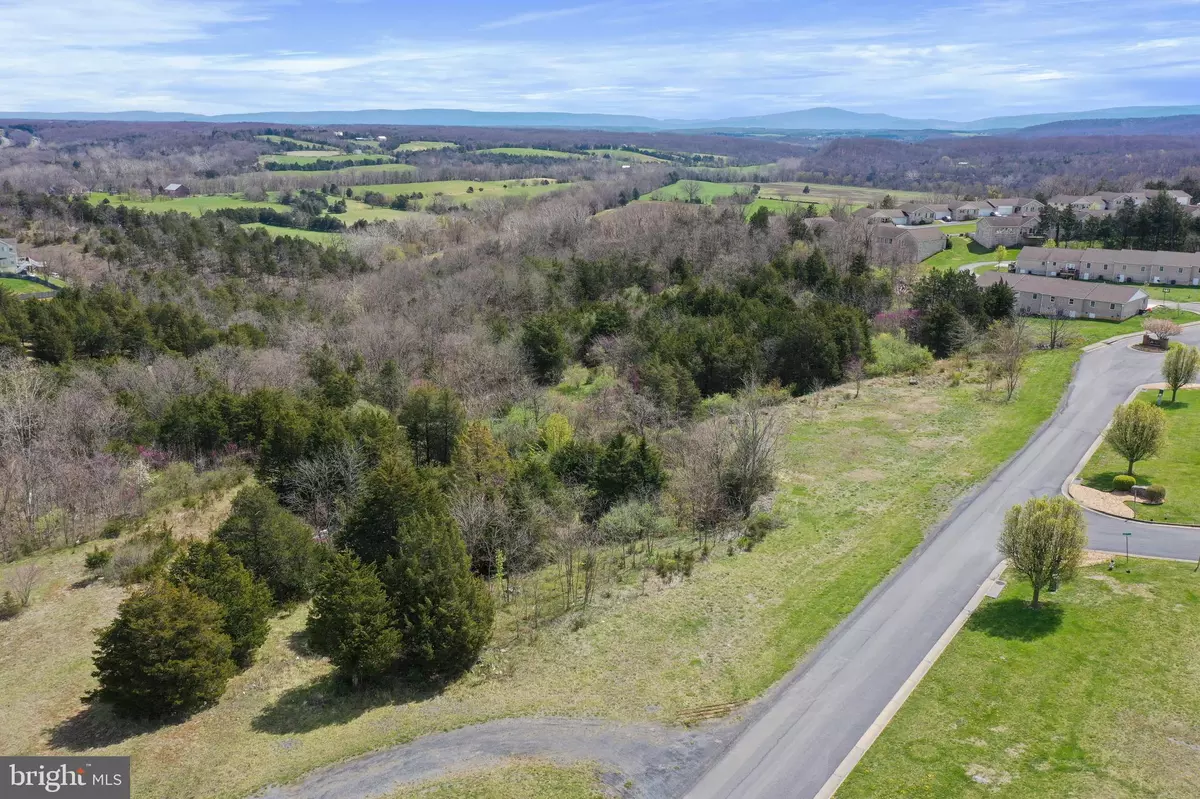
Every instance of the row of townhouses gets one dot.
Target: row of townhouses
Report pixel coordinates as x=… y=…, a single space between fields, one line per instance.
x=1113 y=200
x=1049 y=296
x=1116 y=266
x=956 y=211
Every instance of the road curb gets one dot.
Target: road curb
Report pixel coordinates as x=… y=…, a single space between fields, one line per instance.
x=1065 y=488
x=901 y=696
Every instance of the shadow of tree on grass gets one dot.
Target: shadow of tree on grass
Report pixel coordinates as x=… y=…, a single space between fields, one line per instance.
x=97 y=726
x=1015 y=620
x=328 y=701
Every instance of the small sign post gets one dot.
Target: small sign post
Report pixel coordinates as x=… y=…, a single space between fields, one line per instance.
x=1128 y=534
x=1161 y=391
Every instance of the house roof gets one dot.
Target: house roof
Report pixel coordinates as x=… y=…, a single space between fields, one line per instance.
x=1072 y=289
x=1088 y=199
x=173 y=186
x=996 y=203
x=925 y=233
x=886 y=213
x=1037 y=255
x=1008 y=221
x=1063 y=199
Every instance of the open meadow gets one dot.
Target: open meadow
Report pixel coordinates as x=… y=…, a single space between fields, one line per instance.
x=528 y=152
x=196 y=204
x=464 y=191
x=421 y=146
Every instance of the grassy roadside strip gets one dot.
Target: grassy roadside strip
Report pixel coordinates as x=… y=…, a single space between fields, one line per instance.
x=1094 y=695
x=521 y=779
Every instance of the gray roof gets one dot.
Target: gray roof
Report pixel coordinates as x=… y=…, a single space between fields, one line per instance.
x=1063 y=199
x=1031 y=255
x=928 y=233
x=1058 y=287
x=173 y=186
x=1007 y=221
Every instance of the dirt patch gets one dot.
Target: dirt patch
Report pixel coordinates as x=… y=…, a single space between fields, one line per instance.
x=865 y=475
x=1103 y=501
x=1136 y=589
x=987 y=776
x=1092 y=557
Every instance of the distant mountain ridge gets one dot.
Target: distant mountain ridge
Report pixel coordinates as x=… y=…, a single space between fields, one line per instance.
x=810 y=119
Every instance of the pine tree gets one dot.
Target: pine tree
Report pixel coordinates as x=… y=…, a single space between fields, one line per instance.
x=209 y=570
x=391 y=494
x=274 y=544
x=351 y=620
x=444 y=612
x=164 y=654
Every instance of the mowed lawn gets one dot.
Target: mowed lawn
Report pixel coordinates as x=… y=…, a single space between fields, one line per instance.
x=1177 y=467
x=963 y=251
x=638 y=654
x=195 y=205
x=1173 y=293
x=19 y=287
x=302 y=157
x=1095 y=695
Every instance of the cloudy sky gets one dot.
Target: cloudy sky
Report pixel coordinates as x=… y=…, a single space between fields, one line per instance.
x=661 y=58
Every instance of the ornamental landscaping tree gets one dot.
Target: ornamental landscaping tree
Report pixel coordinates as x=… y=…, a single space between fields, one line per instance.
x=1137 y=432
x=443 y=611
x=274 y=544
x=209 y=570
x=1043 y=538
x=351 y=620
x=164 y=654
x=1180 y=366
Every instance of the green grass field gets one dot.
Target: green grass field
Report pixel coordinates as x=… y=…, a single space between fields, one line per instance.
x=963 y=251
x=707 y=191
x=195 y=205
x=419 y=146
x=1173 y=293
x=356 y=210
x=851 y=196
x=325 y=155
x=1094 y=695
x=626 y=155
x=528 y=152
x=318 y=236
x=299 y=143
x=20 y=287
x=1176 y=467
x=349 y=170
x=529 y=779
x=456 y=190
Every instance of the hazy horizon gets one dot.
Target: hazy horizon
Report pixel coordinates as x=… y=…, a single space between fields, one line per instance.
x=706 y=59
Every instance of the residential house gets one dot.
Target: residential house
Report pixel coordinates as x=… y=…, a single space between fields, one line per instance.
x=964 y=210
x=1090 y=202
x=8 y=254
x=1061 y=201
x=1047 y=296
x=1119 y=266
x=906 y=245
x=1006 y=206
x=177 y=190
x=922 y=213
x=819 y=225
x=875 y=216
x=1011 y=231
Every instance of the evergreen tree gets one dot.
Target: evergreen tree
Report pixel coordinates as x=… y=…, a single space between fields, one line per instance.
x=209 y=570
x=274 y=544
x=351 y=620
x=443 y=611
x=392 y=493
x=545 y=348
x=164 y=654
x=433 y=417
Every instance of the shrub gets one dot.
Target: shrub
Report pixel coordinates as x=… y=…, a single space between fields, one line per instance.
x=351 y=620
x=1156 y=493
x=114 y=527
x=633 y=521
x=895 y=355
x=274 y=544
x=10 y=607
x=759 y=524
x=163 y=655
x=97 y=559
x=1123 y=482
x=142 y=557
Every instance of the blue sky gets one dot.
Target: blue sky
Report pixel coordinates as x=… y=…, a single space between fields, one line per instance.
x=662 y=58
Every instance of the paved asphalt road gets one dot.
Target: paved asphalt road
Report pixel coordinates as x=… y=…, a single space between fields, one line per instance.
x=818 y=713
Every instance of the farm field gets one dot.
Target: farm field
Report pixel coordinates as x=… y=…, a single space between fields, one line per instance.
x=725 y=634
x=195 y=205
x=303 y=145
x=626 y=155
x=319 y=236
x=1093 y=695
x=529 y=152
x=708 y=191
x=301 y=157
x=457 y=190
x=356 y=210
x=850 y=196
x=349 y=170
x=1176 y=467
x=419 y=146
